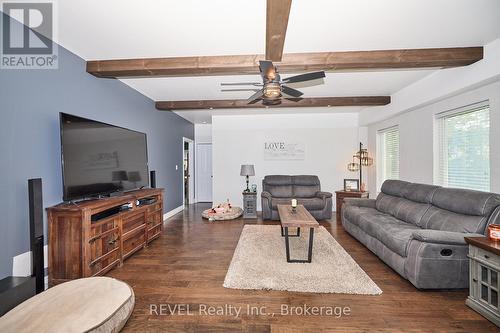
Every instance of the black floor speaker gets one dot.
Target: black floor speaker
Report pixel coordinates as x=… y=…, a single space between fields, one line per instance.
x=36 y=231
x=152 y=178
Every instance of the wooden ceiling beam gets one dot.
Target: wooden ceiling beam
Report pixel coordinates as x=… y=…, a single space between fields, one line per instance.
x=277 y=15
x=291 y=63
x=243 y=103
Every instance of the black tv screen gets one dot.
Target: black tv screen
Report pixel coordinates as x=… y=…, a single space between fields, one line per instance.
x=99 y=158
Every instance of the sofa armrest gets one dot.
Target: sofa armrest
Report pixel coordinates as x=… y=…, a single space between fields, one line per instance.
x=266 y=195
x=360 y=202
x=323 y=195
x=442 y=237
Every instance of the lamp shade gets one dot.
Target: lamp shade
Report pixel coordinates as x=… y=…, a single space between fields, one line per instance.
x=353 y=166
x=247 y=170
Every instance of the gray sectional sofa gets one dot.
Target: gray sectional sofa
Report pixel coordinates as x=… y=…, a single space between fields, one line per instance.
x=419 y=229
x=280 y=190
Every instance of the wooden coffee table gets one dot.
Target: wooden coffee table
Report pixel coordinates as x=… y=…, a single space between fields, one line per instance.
x=300 y=218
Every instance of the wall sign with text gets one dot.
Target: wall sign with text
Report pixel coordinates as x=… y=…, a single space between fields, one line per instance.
x=284 y=150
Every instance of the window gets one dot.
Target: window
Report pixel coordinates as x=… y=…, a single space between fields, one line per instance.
x=463 y=148
x=388 y=154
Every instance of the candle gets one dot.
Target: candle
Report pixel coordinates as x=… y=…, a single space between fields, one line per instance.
x=294 y=203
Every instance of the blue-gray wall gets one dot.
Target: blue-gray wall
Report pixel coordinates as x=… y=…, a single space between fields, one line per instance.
x=30 y=102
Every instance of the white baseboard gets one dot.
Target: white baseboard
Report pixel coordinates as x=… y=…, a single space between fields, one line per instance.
x=172 y=212
x=21 y=264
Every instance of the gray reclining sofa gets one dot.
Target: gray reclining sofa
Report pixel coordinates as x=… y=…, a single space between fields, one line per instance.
x=280 y=190
x=419 y=230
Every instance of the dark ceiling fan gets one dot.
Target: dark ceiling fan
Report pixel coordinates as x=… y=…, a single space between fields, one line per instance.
x=273 y=87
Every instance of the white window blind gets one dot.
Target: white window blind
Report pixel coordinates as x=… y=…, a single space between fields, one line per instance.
x=464 y=148
x=388 y=154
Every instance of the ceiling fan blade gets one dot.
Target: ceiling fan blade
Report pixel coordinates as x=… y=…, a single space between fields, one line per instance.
x=291 y=92
x=248 y=89
x=242 y=84
x=305 y=77
x=252 y=99
x=267 y=70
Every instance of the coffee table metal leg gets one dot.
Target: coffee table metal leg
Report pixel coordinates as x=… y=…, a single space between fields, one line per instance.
x=310 y=247
x=287 y=245
x=311 y=240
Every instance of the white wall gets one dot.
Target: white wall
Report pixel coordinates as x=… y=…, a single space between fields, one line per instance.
x=202 y=133
x=330 y=141
x=416 y=128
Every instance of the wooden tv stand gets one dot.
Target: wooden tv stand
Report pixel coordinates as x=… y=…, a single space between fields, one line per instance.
x=90 y=238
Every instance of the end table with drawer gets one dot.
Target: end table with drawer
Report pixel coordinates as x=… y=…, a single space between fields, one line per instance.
x=484 y=277
x=249 y=205
x=347 y=194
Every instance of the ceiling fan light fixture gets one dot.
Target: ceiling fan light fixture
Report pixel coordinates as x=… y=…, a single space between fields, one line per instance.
x=272 y=90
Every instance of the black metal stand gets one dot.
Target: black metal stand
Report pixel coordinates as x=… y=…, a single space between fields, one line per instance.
x=283 y=233
x=287 y=245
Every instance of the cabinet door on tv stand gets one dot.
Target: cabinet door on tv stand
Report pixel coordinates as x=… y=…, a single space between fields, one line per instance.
x=104 y=247
x=154 y=223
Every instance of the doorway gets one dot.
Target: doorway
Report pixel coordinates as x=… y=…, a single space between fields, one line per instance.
x=204 y=172
x=187 y=171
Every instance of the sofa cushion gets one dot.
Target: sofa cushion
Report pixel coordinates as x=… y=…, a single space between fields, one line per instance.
x=466 y=202
x=419 y=192
x=386 y=203
x=281 y=191
x=309 y=203
x=410 y=211
x=306 y=180
x=401 y=208
x=367 y=221
x=394 y=187
x=279 y=186
x=305 y=186
x=395 y=234
x=305 y=191
x=277 y=180
x=353 y=213
x=441 y=219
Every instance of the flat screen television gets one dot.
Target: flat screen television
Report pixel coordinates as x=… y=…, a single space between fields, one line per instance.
x=99 y=159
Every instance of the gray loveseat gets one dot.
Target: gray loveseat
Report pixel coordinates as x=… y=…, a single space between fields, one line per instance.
x=280 y=190
x=419 y=229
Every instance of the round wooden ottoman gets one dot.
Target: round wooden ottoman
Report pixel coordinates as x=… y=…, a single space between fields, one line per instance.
x=97 y=304
x=232 y=214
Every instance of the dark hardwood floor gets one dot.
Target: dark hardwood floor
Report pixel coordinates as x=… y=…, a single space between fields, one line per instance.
x=186 y=266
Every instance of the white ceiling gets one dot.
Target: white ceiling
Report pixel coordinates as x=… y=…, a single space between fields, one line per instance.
x=114 y=29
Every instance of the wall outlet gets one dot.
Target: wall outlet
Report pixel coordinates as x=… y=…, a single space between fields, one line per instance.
x=176 y=167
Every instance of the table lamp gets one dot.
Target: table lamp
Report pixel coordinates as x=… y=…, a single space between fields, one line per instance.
x=247 y=170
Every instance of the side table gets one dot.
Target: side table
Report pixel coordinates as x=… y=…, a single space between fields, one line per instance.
x=249 y=205
x=484 y=277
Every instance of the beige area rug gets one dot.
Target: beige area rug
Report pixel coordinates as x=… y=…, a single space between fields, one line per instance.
x=259 y=262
